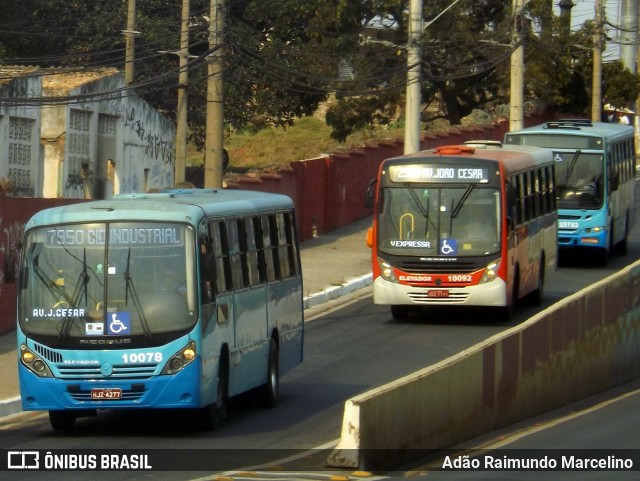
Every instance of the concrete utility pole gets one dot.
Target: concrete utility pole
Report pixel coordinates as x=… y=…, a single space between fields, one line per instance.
x=413 y=100
x=596 y=83
x=213 y=158
x=516 y=102
x=183 y=77
x=629 y=33
x=129 y=42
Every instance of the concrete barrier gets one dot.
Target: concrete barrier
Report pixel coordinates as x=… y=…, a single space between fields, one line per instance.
x=584 y=344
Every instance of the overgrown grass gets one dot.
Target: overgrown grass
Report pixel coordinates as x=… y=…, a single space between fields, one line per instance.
x=308 y=138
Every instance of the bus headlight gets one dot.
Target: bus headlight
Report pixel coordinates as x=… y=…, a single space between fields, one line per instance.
x=34 y=363
x=491 y=272
x=180 y=359
x=387 y=271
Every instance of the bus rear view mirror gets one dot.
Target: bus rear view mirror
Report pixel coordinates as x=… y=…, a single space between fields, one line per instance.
x=368 y=196
x=615 y=182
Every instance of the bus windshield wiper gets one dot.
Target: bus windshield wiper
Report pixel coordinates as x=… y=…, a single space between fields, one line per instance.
x=134 y=297
x=465 y=195
x=421 y=208
x=572 y=165
x=80 y=289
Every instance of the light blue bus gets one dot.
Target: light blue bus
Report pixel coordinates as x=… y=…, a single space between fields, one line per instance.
x=177 y=299
x=595 y=179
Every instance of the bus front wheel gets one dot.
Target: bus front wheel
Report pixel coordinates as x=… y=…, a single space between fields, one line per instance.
x=62 y=420
x=214 y=414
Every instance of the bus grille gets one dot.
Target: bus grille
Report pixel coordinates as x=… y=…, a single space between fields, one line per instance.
x=48 y=354
x=453 y=298
x=139 y=371
x=127 y=395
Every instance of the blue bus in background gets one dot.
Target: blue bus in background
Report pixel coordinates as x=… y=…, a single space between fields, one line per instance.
x=595 y=169
x=177 y=299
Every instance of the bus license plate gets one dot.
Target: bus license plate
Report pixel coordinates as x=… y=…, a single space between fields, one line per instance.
x=437 y=293
x=106 y=393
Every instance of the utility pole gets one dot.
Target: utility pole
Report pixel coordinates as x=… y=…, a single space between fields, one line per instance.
x=629 y=34
x=596 y=83
x=516 y=102
x=129 y=42
x=181 y=114
x=413 y=100
x=213 y=157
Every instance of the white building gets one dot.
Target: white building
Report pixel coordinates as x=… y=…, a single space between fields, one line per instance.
x=80 y=134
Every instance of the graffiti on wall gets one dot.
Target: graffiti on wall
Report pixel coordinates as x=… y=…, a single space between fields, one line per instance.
x=155 y=145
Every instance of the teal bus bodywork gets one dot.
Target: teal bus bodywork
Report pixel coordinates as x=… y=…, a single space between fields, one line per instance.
x=178 y=299
x=595 y=178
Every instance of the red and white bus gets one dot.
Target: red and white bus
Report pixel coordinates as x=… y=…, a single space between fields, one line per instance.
x=463 y=225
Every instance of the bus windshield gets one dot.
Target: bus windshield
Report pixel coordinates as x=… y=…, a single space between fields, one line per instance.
x=107 y=281
x=461 y=221
x=579 y=179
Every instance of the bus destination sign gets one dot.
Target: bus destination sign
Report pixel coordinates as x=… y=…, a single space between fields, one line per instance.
x=86 y=236
x=441 y=173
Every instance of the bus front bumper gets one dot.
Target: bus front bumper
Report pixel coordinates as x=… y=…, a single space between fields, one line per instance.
x=490 y=294
x=166 y=391
x=596 y=240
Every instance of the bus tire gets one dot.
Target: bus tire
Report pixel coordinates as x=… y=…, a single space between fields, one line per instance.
x=62 y=421
x=537 y=295
x=399 y=312
x=268 y=392
x=505 y=314
x=620 y=249
x=214 y=414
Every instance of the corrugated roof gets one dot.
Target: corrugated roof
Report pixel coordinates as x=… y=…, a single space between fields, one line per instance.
x=55 y=79
x=10 y=72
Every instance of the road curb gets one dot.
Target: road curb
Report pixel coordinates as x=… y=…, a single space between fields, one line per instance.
x=334 y=292
x=10 y=406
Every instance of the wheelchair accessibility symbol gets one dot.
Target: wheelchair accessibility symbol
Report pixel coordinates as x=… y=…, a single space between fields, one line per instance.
x=448 y=247
x=119 y=323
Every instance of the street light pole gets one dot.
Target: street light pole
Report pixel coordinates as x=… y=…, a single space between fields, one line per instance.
x=516 y=102
x=129 y=42
x=181 y=124
x=413 y=100
x=596 y=83
x=213 y=158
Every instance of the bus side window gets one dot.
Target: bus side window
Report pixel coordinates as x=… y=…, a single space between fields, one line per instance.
x=261 y=263
x=251 y=252
x=273 y=238
x=207 y=269
x=268 y=252
x=280 y=248
x=292 y=250
x=512 y=211
x=233 y=238
x=218 y=234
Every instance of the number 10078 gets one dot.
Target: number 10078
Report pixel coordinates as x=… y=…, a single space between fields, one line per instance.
x=142 y=357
